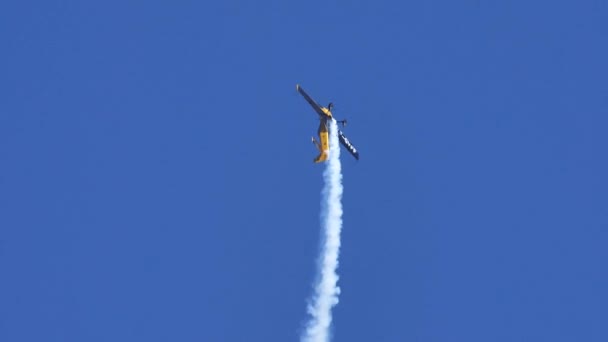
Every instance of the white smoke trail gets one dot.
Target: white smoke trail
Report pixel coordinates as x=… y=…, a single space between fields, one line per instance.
x=326 y=290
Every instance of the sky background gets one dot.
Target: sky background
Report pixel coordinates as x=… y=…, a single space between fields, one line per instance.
x=157 y=184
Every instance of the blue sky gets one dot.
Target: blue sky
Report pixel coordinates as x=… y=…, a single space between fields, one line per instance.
x=156 y=179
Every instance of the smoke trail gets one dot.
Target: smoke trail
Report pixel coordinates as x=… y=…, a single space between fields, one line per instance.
x=326 y=289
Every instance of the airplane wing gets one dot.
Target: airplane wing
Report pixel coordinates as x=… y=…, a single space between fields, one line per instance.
x=348 y=145
x=310 y=100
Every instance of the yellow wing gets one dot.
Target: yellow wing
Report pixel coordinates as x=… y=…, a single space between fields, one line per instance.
x=324 y=112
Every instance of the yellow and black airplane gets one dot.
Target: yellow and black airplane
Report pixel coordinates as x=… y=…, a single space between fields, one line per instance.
x=323 y=131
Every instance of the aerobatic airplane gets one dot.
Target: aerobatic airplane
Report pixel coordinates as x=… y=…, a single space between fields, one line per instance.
x=324 y=116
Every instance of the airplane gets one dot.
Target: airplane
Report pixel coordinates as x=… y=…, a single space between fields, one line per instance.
x=323 y=131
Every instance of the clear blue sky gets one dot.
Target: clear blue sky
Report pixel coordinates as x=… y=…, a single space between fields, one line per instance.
x=156 y=176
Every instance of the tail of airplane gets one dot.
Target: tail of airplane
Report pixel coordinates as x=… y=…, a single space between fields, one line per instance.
x=321 y=158
x=322 y=153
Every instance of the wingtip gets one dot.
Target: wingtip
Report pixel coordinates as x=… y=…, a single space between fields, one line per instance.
x=297 y=87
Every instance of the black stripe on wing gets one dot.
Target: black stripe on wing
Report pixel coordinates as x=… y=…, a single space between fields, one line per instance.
x=346 y=143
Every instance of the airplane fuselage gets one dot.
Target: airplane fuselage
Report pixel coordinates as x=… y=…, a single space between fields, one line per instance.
x=323 y=133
